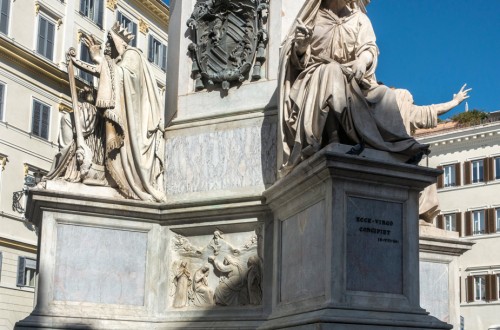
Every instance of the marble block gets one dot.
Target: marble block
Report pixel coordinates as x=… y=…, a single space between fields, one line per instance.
x=439 y=272
x=346 y=244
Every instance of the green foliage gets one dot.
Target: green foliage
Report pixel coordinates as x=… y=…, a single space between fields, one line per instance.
x=473 y=117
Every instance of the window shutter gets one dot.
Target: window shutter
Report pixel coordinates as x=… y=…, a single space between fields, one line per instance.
x=467 y=173
x=440 y=221
x=2 y=89
x=45 y=122
x=164 y=59
x=150 y=48
x=35 y=121
x=491 y=288
x=21 y=265
x=4 y=16
x=491 y=221
x=1 y=257
x=491 y=167
x=486 y=168
x=458 y=174
x=100 y=12
x=42 y=32
x=440 y=180
x=50 y=41
x=469 y=282
x=458 y=219
x=468 y=223
x=134 y=32
x=83 y=4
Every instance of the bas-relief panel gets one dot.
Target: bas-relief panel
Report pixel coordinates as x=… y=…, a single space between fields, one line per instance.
x=225 y=159
x=374 y=259
x=434 y=289
x=303 y=260
x=220 y=269
x=99 y=265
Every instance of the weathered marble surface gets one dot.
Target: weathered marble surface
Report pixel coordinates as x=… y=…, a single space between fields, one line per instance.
x=100 y=265
x=435 y=293
x=221 y=159
x=303 y=268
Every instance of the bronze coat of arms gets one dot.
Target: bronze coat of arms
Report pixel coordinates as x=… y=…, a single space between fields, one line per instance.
x=228 y=40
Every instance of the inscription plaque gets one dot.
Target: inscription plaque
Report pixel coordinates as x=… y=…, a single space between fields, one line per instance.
x=374 y=245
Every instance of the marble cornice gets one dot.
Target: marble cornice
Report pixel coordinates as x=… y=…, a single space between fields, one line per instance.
x=31 y=61
x=158 y=9
x=463 y=138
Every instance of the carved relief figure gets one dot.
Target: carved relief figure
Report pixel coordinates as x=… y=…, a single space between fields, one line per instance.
x=229 y=290
x=254 y=280
x=415 y=117
x=329 y=91
x=182 y=281
x=202 y=295
x=234 y=279
x=128 y=100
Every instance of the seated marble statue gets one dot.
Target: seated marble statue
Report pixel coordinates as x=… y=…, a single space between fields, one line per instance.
x=128 y=101
x=329 y=92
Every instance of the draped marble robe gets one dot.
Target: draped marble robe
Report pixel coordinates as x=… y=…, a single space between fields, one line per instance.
x=318 y=100
x=134 y=141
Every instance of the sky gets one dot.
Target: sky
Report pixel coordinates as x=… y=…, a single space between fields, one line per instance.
x=433 y=47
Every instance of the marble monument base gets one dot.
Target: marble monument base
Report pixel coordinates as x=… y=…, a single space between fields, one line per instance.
x=346 y=244
x=110 y=263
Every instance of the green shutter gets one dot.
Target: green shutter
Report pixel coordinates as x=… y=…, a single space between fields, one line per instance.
x=35 y=120
x=2 y=92
x=21 y=265
x=4 y=15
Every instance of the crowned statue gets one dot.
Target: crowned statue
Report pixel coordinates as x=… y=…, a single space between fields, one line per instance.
x=117 y=134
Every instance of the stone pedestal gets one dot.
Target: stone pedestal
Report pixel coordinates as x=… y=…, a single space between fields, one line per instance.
x=110 y=263
x=439 y=273
x=346 y=244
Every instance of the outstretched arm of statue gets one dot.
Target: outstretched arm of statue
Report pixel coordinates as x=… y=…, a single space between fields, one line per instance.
x=458 y=98
x=94 y=69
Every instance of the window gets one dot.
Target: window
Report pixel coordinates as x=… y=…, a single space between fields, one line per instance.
x=0 y=265
x=26 y=270
x=477 y=171
x=497 y=168
x=85 y=56
x=479 y=288
x=450 y=222
x=131 y=26
x=478 y=222
x=449 y=176
x=45 y=45
x=40 y=120
x=157 y=53
x=93 y=9
x=482 y=288
x=497 y=217
x=2 y=97
x=4 y=16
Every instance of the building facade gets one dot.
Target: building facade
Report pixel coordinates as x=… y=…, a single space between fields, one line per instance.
x=469 y=196
x=34 y=38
